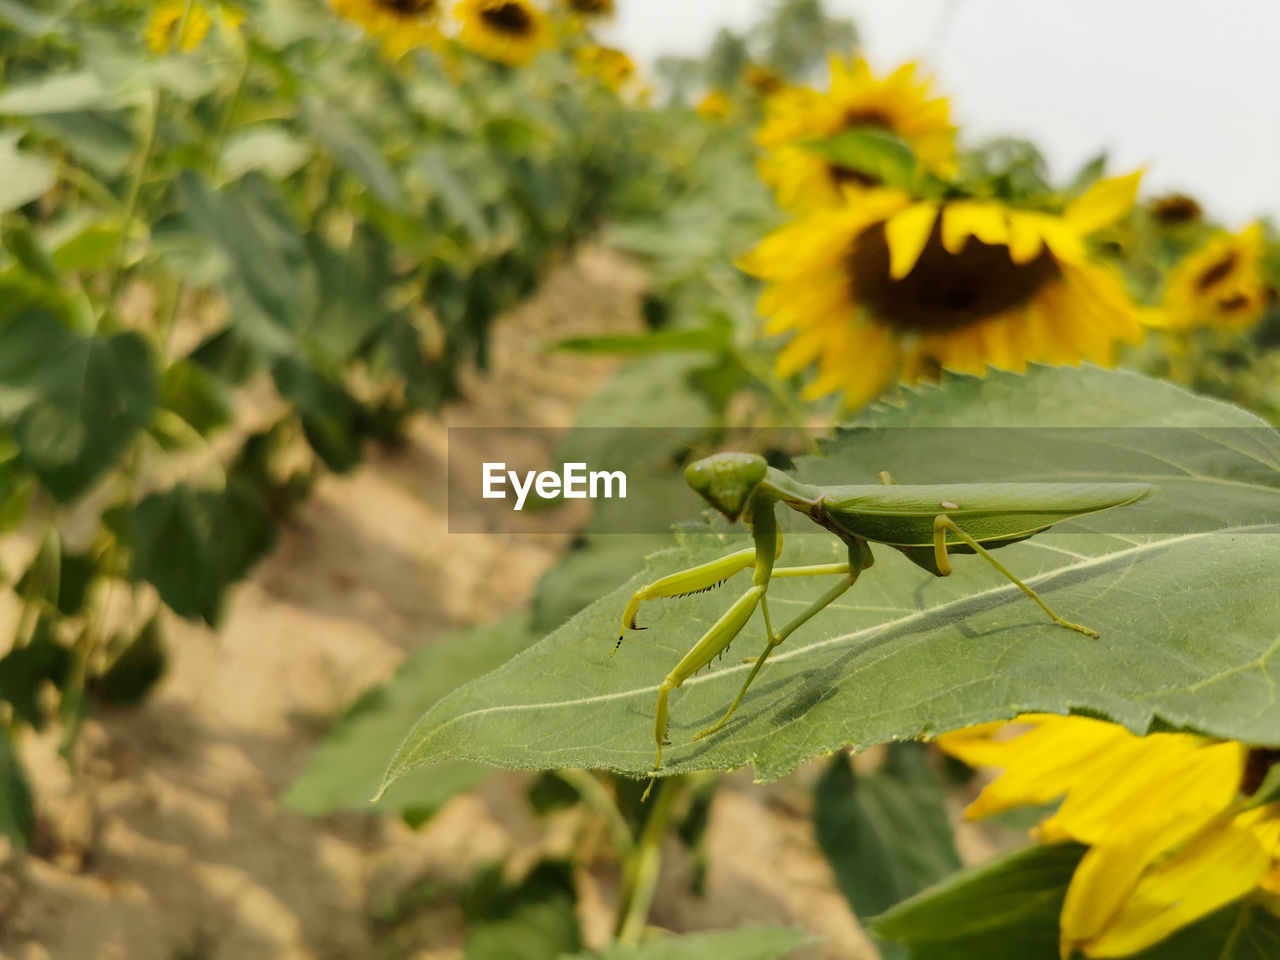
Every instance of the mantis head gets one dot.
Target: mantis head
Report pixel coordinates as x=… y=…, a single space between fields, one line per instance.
x=727 y=480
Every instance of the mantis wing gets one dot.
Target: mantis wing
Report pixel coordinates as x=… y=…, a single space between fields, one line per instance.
x=901 y=515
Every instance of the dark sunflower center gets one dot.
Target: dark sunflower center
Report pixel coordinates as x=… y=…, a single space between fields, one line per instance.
x=1257 y=764
x=1217 y=273
x=944 y=291
x=513 y=18
x=848 y=176
x=408 y=8
x=865 y=118
x=1175 y=209
x=590 y=6
x=1234 y=303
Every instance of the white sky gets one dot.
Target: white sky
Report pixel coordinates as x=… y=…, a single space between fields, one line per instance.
x=1188 y=88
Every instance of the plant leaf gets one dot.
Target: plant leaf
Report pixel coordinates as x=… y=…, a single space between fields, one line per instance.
x=885 y=833
x=93 y=396
x=534 y=920
x=1006 y=909
x=1187 y=617
x=17 y=818
x=23 y=176
x=345 y=769
x=192 y=544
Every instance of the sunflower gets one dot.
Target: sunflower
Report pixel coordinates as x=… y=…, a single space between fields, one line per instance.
x=612 y=67
x=1219 y=285
x=762 y=80
x=896 y=104
x=401 y=24
x=1175 y=209
x=508 y=31
x=887 y=286
x=716 y=105
x=1167 y=818
x=168 y=31
x=590 y=9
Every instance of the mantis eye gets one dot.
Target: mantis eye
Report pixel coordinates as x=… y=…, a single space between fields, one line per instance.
x=698 y=475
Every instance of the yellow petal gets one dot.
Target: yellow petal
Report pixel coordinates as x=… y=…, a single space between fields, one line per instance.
x=873 y=357
x=1150 y=807
x=1220 y=865
x=986 y=221
x=805 y=347
x=1025 y=241
x=1041 y=764
x=907 y=233
x=1103 y=203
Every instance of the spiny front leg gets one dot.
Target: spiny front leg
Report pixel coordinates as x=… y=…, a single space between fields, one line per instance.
x=684 y=582
x=712 y=644
x=860 y=559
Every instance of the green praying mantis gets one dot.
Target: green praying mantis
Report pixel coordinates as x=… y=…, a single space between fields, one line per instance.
x=927 y=523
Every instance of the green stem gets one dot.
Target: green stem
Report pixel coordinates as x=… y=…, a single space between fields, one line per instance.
x=228 y=115
x=31 y=599
x=597 y=798
x=82 y=653
x=131 y=202
x=644 y=866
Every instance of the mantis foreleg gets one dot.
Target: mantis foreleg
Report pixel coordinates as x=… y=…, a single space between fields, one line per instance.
x=859 y=559
x=714 y=642
x=942 y=523
x=684 y=582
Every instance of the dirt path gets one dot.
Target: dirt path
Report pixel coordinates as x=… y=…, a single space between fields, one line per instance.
x=171 y=843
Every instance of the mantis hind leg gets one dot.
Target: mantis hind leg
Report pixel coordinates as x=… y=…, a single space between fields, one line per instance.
x=942 y=523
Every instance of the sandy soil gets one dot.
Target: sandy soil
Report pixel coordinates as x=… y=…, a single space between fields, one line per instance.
x=169 y=840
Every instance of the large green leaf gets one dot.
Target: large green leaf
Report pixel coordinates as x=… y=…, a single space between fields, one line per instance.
x=1008 y=909
x=23 y=176
x=92 y=397
x=17 y=818
x=55 y=92
x=1003 y=910
x=532 y=920
x=352 y=148
x=1187 y=619
x=192 y=544
x=886 y=832
x=267 y=147
x=344 y=771
x=25 y=670
x=250 y=223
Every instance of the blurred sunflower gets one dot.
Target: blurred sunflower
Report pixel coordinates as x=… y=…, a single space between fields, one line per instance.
x=762 y=80
x=590 y=9
x=1168 y=819
x=508 y=31
x=612 y=67
x=401 y=24
x=716 y=105
x=897 y=104
x=887 y=286
x=167 y=31
x=1219 y=285
x=1175 y=209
